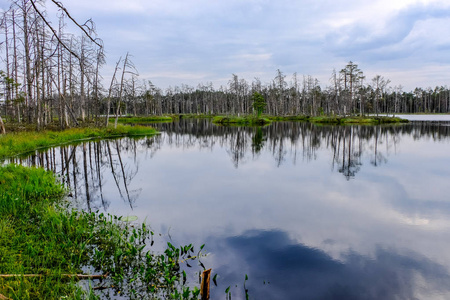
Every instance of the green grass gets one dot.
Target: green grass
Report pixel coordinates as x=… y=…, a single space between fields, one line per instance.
x=23 y=142
x=241 y=121
x=372 y=120
x=251 y=120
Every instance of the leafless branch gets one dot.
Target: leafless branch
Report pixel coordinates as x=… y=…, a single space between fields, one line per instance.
x=95 y=41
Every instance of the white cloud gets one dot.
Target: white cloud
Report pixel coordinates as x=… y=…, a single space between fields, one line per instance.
x=217 y=38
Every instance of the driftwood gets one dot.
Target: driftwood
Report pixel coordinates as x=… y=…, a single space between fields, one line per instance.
x=79 y=276
x=2 y=129
x=204 y=288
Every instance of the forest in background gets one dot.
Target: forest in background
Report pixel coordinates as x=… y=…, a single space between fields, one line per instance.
x=51 y=74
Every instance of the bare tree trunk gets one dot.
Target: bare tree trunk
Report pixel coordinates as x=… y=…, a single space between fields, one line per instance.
x=82 y=83
x=125 y=64
x=60 y=78
x=8 y=86
x=16 y=68
x=108 y=106
x=29 y=78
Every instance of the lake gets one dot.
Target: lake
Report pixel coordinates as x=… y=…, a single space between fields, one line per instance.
x=305 y=211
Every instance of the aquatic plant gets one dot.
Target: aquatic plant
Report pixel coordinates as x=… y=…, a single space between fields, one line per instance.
x=47 y=248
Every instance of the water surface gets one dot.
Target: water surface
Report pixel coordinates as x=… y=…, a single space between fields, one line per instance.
x=306 y=211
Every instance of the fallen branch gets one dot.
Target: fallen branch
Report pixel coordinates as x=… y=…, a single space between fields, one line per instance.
x=204 y=288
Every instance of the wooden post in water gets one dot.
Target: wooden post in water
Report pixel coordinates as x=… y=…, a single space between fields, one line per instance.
x=2 y=126
x=204 y=287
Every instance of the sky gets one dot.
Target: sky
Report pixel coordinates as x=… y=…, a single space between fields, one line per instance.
x=174 y=42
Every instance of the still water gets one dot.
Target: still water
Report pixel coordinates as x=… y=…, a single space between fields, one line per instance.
x=306 y=211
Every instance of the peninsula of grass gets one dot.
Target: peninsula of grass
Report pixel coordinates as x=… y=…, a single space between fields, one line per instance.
x=372 y=120
x=241 y=121
x=24 y=142
x=142 y=120
x=335 y=120
x=47 y=249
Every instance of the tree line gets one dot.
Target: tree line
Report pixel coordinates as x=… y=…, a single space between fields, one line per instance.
x=348 y=93
x=51 y=74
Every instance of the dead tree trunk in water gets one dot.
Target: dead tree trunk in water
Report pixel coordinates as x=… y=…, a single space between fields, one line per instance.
x=2 y=126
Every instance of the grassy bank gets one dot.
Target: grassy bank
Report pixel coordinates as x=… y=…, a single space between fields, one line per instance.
x=244 y=120
x=251 y=120
x=23 y=142
x=46 y=248
x=266 y=119
x=356 y=120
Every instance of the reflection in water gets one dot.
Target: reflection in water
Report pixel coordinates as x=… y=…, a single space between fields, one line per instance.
x=258 y=141
x=281 y=268
x=283 y=140
x=83 y=167
x=309 y=212
x=347 y=143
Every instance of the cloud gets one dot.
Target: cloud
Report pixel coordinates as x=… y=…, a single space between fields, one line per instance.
x=399 y=35
x=281 y=268
x=256 y=37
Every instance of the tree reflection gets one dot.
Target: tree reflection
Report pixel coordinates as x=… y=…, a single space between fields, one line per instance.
x=238 y=147
x=291 y=140
x=258 y=140
x=83 y=168
x=345 y=156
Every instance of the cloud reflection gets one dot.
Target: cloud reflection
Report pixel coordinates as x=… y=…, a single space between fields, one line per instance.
x=280 y=268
